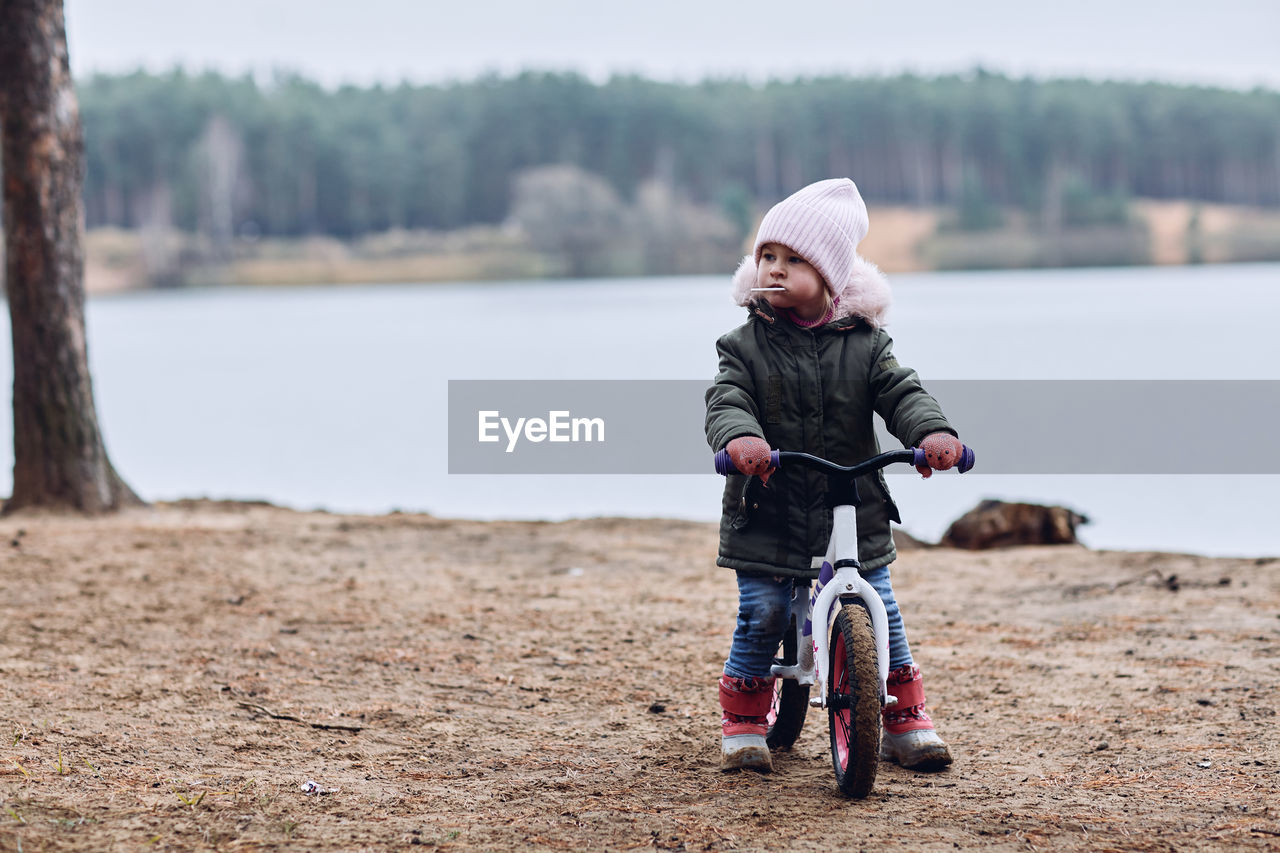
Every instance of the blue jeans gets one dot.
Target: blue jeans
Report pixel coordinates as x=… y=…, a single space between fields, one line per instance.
x=764 y=609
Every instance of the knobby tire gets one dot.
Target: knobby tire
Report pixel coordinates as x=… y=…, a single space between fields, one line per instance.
x=854 y=702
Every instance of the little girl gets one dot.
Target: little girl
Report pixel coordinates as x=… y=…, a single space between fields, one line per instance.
x=806 y=372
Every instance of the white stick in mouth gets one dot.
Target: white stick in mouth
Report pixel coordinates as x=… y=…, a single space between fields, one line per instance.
x=766 y=289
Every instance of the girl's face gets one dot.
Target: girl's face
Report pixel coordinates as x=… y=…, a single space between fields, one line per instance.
x=804 y=291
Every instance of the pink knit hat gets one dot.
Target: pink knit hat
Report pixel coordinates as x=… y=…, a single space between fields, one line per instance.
x=823 y=223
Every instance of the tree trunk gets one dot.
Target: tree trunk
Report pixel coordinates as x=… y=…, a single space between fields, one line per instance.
x=59 y=457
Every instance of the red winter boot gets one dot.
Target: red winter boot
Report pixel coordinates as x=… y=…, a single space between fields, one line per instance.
x=744 y=724
x=909 y=738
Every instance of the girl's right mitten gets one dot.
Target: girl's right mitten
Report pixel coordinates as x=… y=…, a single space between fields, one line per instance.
x=750 y=455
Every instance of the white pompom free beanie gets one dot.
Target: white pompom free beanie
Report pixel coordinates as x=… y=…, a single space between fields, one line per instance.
x=823 y=223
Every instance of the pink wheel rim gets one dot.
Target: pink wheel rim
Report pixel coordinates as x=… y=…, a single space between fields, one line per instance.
x=772 y=716
x=841 y=720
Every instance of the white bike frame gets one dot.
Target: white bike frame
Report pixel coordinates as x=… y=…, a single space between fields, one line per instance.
x=819 y=608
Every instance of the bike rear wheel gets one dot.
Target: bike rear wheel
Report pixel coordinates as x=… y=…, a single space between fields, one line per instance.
x=854 y=702
x=790 y=698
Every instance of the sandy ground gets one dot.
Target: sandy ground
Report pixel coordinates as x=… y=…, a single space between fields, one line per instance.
x=171 y=677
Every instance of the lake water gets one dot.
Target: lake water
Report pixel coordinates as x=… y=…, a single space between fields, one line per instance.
x=334 y=397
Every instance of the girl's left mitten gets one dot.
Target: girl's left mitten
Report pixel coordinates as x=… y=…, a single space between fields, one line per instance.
x=942 y=450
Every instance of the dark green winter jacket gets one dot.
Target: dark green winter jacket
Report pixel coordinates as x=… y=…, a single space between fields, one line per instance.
x=814 y=391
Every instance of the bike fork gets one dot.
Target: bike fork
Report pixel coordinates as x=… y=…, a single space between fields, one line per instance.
x=808 y=608
x=817 y=608
x=834 y=585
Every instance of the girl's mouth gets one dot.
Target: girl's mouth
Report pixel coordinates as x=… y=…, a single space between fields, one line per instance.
x=767 y=289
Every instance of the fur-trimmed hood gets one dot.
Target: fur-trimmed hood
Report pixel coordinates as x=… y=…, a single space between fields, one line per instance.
x=864 y=294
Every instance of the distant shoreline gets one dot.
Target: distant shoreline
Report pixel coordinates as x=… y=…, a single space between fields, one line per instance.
x=902 y=239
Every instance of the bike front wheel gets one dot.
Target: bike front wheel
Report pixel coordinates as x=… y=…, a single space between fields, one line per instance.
x=853 y=702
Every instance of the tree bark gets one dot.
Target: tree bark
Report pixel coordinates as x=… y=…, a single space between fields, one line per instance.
x=59 y=458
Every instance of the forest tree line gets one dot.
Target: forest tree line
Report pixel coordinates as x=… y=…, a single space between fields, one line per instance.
x=229 y=156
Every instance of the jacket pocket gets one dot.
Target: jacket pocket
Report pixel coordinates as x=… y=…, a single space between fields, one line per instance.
x=740 y=513
x=892 y=507
x=758 y=505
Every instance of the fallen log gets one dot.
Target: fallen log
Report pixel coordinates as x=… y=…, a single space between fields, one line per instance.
x=998 y=524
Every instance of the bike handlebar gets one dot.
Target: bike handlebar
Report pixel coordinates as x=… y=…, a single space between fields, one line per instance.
x=913 y=455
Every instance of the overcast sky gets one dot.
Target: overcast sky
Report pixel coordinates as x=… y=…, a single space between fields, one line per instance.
x=1218 y=42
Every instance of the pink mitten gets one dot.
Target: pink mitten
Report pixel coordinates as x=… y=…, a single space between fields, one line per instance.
x=750 y=455
x=942 y=450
